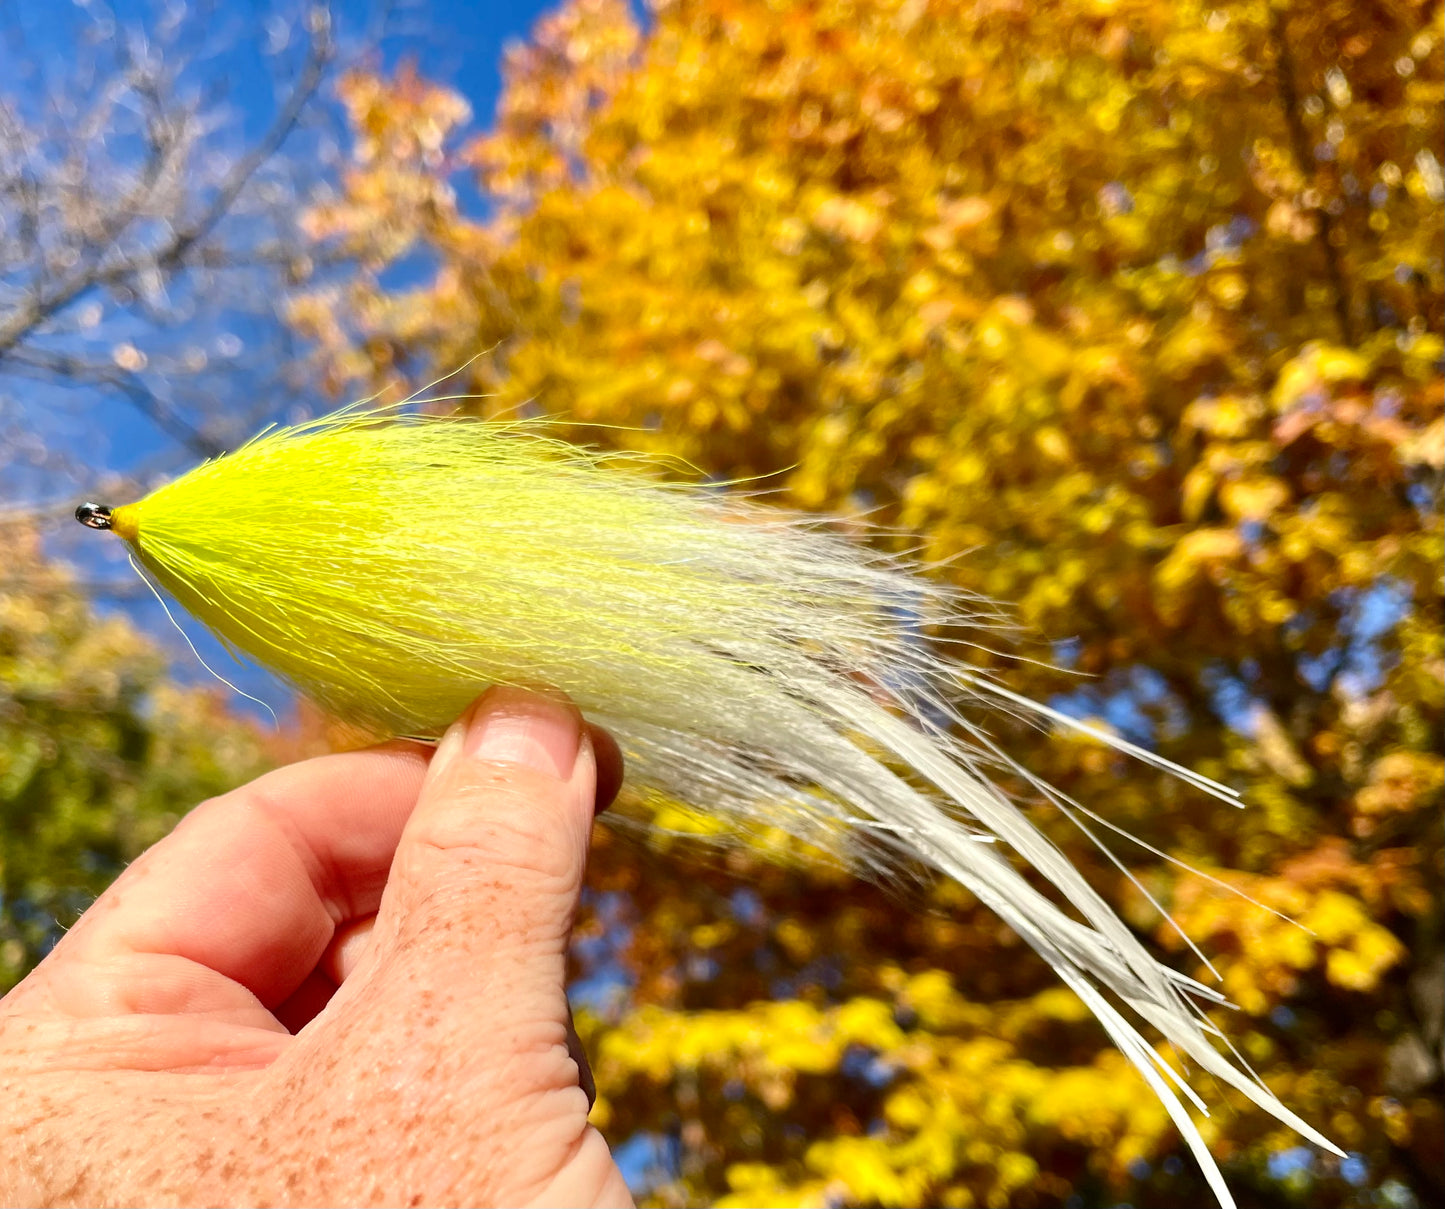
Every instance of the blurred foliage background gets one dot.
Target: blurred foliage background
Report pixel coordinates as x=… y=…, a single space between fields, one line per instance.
x=1133 y=312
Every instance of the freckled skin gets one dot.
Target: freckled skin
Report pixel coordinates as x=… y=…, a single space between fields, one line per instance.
x=407 y=924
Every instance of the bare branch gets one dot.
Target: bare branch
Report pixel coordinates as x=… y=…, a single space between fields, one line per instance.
x=42 y=304
x=42 y=363
x=146 y=247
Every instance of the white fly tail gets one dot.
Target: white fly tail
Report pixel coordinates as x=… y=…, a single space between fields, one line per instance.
x=1090 y=958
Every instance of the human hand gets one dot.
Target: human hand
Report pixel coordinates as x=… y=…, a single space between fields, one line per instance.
x=340 y=984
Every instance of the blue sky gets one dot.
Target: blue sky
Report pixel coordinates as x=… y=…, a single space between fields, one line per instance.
x=453 y=40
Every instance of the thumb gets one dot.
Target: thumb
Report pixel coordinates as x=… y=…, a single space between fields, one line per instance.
x=489 y=868
x=467 y=961
x=454 y=1023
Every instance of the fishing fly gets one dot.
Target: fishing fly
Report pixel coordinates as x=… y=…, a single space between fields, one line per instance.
x=756 y=666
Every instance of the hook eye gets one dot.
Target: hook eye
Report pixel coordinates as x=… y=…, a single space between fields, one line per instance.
x=94 y=516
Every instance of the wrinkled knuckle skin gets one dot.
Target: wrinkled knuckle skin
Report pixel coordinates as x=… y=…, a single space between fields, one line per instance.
x=507 y=820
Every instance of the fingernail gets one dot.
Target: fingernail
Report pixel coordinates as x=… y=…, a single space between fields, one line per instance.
x=512 y=726
x=450 y=746
x=607 y=758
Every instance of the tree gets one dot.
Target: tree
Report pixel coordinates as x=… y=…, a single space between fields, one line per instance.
x=99 y=754
x=1135 y=313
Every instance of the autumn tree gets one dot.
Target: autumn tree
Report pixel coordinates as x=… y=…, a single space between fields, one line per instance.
x=1134 y=312
x=100 y=754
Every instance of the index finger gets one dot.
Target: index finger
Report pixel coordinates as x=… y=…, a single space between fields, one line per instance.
x=246 y=892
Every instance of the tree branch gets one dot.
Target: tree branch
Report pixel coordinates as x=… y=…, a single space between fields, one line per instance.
x=1304 y=160
x=24 y=320
x=42 y=362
